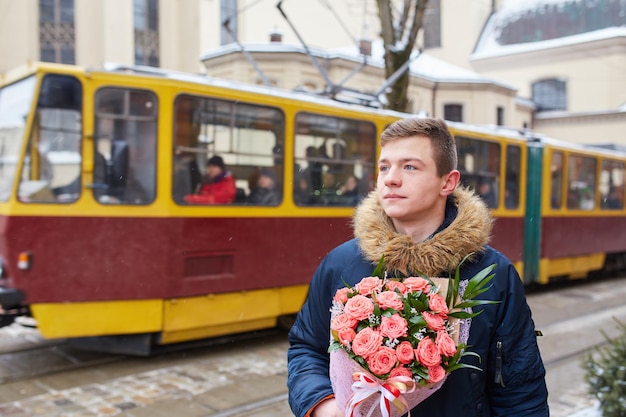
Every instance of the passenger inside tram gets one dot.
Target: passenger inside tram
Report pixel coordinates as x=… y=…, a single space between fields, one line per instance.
x=217 y=187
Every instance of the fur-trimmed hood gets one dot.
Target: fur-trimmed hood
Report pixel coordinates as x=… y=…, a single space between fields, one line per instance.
x=468 y=233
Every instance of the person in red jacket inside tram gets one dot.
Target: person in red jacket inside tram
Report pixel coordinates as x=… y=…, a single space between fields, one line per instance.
x=217 y=187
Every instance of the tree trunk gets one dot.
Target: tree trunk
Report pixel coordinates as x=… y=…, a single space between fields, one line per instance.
x=399 y=34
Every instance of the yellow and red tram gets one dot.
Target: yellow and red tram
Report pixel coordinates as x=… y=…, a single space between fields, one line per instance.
x=98 y=243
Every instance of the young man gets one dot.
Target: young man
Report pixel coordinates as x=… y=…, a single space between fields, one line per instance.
x=422 y=223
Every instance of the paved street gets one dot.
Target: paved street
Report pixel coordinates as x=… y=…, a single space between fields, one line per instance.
x=248 y=379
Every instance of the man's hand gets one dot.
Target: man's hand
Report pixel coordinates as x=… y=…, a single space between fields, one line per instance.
x=328 y=408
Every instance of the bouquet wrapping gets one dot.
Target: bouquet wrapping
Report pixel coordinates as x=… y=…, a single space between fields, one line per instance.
x=395 y=341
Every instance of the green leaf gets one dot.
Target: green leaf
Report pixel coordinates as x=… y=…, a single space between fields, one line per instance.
x=474 y=303
x=417 y=320
x=379 y=271
x=464 y=314
x=462 y=366
x=478 y=283
x=334 y=346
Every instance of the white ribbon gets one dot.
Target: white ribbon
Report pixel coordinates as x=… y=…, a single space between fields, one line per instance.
x=364 y=386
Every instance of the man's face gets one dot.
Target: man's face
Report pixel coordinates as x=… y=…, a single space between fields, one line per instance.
x=408 y=186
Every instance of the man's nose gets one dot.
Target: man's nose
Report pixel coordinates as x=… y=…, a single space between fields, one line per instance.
x=392 y=179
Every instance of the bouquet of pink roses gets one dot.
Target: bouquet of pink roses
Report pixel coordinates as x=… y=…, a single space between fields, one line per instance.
x=394 y=341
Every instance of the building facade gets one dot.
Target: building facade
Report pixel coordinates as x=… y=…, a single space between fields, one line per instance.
x=480 y=62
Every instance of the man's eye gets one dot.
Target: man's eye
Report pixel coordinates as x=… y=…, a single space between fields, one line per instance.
x=381 y=169
x=409 y=167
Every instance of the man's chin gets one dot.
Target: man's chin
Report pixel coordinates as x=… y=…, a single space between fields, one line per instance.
x=394 y=212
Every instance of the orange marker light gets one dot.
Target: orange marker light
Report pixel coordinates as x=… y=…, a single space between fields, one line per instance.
x=24 y=260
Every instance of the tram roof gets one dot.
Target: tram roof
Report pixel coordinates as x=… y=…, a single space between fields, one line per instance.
x=200 y=79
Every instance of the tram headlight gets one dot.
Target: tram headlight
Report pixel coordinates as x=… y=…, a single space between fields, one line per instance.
x=24 y=260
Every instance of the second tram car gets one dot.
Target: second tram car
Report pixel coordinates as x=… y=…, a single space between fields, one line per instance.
x=100 y=243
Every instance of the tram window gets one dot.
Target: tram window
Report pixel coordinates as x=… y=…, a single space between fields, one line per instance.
x=125 y=146
x=333 y=160
x=248 y=138
x=512 y=181
x=581 y=190
x=556 y=177
x=15 y=102
x=612 y=185
x=479 y=164
x=51 y=169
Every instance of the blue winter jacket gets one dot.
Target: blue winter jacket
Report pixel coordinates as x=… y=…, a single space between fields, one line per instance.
x=511 y=382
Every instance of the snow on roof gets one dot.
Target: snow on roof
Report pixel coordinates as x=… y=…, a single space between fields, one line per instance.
x=424 y=65
x=488 y=47
x=511 y=10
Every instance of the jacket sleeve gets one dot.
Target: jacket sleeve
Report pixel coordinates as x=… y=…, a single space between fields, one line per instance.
x=516 y=375
x=308 y=360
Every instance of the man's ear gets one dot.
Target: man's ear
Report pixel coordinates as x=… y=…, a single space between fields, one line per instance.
x=451 y=180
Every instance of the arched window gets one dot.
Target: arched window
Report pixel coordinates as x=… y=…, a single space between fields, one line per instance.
x=550 y=94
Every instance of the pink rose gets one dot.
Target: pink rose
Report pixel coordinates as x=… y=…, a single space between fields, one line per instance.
x=346 y=336
x=368 y=285
x=433 y=321
x=437 y=304
x=401 y=371
x=445 y=343
x=366 y=342
x=359 y=307
x=342 y=295
x=416 y=284
x=393 y=327
x=436 y=374
x=392 y=285
x=428 y=353
x=404 y=352
x=382 y=361
x=390 y=299
x=343 y=321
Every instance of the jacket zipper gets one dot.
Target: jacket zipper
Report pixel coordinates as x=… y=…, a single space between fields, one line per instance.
x=499 y=379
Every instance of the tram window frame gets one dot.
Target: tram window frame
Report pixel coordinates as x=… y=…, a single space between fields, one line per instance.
x=248 y=137
x=125 y=146
x=612 y=185
x=51 y=171
x=334 y=160
x=556 y=177
x=581 y=182
x=479 y=162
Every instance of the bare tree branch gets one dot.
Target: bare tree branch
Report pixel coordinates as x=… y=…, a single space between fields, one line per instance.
x=399 y=38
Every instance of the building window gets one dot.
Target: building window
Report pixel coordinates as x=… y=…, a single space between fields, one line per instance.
x=228 y=19
x=432 y=25
x=453 y=112
x=550 y=94
x=146 y=14
x=500 y=116
x=57 y=37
